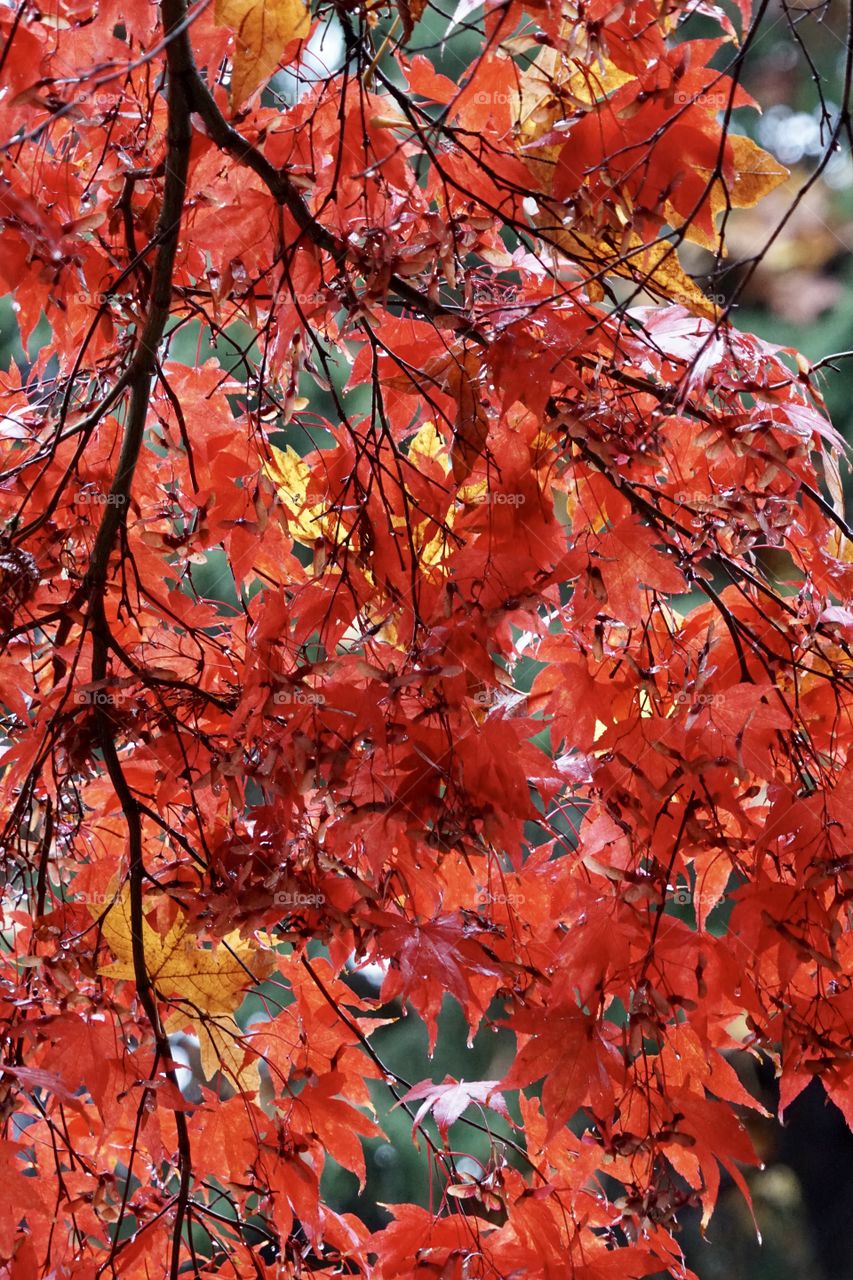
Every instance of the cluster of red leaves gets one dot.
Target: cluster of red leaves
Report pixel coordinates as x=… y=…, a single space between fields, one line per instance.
x=352 y=752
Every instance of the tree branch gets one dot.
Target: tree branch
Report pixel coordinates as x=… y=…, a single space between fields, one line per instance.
x=140 y=378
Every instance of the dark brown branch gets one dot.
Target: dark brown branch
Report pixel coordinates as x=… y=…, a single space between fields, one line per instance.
x=140 y=378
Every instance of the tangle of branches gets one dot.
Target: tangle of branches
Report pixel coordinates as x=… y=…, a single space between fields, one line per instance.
x=405 y=562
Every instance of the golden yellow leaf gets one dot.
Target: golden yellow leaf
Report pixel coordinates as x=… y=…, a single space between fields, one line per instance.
x=429 y=444
x=654 y=267
x=219 y=1047
x=756 y=174
x=290 y=474
x=208 y=983
x=262 y=30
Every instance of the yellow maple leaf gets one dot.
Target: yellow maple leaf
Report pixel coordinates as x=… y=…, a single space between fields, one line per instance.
x=656 y=267
x=262 y=30
x=290 y=474
x=429 y=444
x=205 y=985
x=756 y=174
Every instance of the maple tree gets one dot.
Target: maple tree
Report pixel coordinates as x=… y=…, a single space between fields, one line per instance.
x=469 y=664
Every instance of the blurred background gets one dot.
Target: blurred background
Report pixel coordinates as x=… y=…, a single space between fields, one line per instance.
x=800 y=295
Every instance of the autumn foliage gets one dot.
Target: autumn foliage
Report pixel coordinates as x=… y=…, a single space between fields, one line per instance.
x=474 y=606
